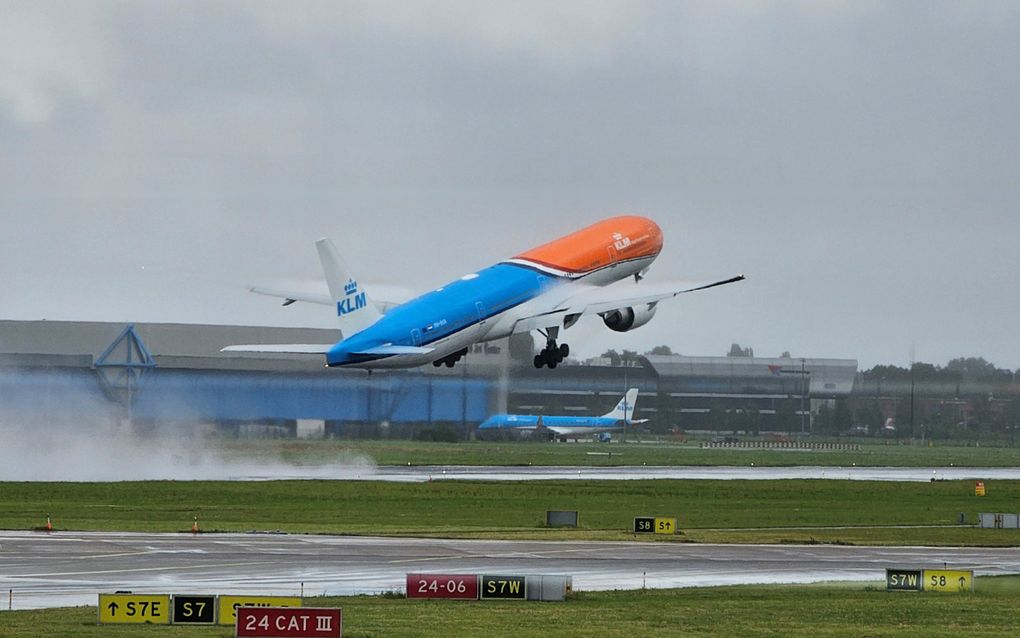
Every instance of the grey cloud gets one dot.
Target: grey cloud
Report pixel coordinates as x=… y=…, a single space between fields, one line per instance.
x=856 y=159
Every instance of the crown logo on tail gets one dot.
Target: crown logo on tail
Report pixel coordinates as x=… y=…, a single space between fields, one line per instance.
x=350 y=287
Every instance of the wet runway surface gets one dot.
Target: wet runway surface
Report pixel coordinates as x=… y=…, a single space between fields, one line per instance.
x=534 y=473
x=70 y=568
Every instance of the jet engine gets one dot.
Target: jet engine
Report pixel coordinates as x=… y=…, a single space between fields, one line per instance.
x=626 y=319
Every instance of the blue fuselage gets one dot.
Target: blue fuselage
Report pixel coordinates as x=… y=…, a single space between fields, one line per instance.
x=558 y=424
x=443 y=317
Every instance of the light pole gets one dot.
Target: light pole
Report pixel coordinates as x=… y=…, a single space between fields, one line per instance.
x=912 y=402
x=803 y=393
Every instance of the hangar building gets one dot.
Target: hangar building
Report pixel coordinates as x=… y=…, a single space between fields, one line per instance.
x=175 y=374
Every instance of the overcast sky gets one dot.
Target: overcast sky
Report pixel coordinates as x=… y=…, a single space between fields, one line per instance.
x=859 y=161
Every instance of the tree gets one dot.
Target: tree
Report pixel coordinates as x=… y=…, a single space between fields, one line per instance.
x=629 y=357
x=977 y=369
x=737 y=351
x=661 y=350
x=613 y=356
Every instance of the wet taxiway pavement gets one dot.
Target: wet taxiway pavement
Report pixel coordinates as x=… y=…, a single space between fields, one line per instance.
x=538 y=473
x=70 y=568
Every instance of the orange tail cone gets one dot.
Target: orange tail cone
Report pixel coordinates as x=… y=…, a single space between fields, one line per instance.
x=49 y=525
x=194 y=526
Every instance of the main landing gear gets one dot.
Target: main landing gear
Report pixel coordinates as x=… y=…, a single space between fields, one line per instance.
x=552 y=355
x=450 y=359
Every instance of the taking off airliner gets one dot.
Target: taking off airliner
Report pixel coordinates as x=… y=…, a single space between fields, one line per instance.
x=545 y=289
x=616 y=419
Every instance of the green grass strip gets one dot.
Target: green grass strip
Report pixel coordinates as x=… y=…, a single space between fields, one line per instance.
x=708 y=511
x=809 y=611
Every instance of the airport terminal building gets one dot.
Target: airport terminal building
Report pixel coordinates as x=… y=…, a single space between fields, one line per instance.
x=162 y=375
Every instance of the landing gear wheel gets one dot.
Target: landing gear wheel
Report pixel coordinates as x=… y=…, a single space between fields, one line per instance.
x=552 y=355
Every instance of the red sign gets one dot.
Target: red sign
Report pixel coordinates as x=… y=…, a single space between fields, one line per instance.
x=289 y=622
x=462 y=586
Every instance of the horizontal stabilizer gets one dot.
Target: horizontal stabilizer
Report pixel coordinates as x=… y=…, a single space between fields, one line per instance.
x=390 y=349
x=385 y=296
x=283 y=348
x=290 y=296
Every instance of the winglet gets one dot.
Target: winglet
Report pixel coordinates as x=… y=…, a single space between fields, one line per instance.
x=731 y=280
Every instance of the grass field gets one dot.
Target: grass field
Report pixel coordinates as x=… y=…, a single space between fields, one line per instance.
x=708 y=511
x=396 y=452
x=816 y=611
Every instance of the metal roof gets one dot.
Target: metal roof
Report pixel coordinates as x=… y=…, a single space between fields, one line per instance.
x=835 y=376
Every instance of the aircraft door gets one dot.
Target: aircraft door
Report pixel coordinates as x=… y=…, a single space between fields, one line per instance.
x=614 y=256
x=416 y=337
x=480 y=308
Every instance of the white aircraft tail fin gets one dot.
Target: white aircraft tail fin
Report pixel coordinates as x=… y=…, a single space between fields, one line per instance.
x=624 y=410
x=354 y=310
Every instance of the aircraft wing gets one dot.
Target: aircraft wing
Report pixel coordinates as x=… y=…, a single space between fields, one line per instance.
x=593 y=300
x=283 y=348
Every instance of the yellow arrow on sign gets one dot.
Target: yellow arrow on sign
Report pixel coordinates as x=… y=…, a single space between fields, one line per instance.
x=134 y=608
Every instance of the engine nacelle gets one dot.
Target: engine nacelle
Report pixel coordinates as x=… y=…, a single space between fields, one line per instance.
x=626 y=319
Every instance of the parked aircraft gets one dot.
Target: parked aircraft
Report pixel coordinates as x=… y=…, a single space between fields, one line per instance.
x=564 y=426
x=545 y=289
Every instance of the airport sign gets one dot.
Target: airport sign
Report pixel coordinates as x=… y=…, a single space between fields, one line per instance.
x=289 y=622
x=665 y=526
x=229 y=605
x=134 y=608
x=457 y=586
x=644 y=524
x=903 y=580
x=954 y=580
x=503 y=587
x=193 y=610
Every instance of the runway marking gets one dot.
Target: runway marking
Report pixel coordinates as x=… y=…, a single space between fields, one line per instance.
x=142 y=569
x=545 y=554
x=140 y=553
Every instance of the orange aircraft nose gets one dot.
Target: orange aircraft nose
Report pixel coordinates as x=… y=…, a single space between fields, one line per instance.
x=626 y=237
